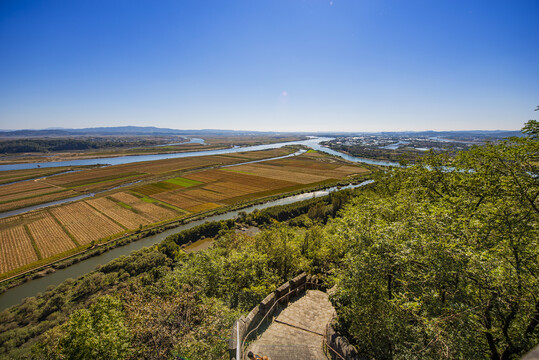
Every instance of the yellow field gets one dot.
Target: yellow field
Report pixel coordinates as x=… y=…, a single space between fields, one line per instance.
x=84 y=223
x=126 y=217
x=49 y=236
x=15 y=248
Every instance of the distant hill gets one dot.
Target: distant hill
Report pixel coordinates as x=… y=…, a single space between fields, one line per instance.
x=128 y=130
x=151 y=130
x=120 y=130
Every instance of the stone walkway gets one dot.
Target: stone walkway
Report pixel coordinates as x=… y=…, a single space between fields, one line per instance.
x=298 y=331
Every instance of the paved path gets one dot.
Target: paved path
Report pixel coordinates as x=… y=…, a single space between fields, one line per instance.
x=298 y=331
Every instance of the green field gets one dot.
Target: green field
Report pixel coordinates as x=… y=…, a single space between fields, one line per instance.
x=183 y=182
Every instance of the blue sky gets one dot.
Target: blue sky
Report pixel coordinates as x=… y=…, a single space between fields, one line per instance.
x=283 y=65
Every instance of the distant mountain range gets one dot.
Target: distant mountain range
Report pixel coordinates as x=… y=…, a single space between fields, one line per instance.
x=122 y=130
x=151 y=130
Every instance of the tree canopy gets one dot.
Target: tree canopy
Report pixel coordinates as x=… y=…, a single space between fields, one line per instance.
x=444 y=257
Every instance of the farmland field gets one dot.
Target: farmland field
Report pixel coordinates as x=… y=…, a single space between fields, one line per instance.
x=22 y=187
x=19 y=175
x=49 y=236
x=16 y=249
x=183 y=182
x=125 y=216
x=23 y=202
x=152 y=211
x=169 y=189
x=61 y=186
x=93 y=176
x=84 y=223
x=221 y=187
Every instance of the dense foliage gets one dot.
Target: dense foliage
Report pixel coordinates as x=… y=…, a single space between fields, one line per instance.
x=444 y=257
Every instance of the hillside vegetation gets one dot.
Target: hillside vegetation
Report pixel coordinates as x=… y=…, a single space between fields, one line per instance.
x=437 y=260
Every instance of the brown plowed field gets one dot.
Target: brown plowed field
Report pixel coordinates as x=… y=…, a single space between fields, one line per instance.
x=23 y=187
x=16 y=249
x=203 y=207
x=304 y=162
x=232 y=189
x=49 y=236
x=84 y=223
x=17 y=175
x=92 y=176
x=204 y=195
x=265 y=183
x=278 y=173
x=156 y=188
x=172 y=165
x=29 y=193
x=178 y=199
x=36 y=200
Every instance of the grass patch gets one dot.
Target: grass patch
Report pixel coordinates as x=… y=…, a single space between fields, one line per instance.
x=119 y=203
x=33 y=241
x=183 y=182
x=124 y=205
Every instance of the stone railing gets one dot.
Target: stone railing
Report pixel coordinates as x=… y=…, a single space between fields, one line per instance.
x=247 y=327
x=338 y=347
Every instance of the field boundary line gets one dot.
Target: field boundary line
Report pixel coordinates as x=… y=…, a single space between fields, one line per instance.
x=105 y=215
x=64 y=229
x=32 y=241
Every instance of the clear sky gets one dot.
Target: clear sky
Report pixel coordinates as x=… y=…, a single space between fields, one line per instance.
x=283 y=65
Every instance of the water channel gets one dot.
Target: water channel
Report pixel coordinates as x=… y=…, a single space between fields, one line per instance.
x=15 y=295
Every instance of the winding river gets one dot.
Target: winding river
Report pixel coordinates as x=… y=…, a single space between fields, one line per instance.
x=313 y=143
x=15 y=295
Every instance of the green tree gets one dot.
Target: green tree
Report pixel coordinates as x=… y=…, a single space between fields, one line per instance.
x=531 y=128
x=444 y=259
x=95 y=333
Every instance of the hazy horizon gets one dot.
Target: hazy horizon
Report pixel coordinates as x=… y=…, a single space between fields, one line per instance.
x=270 y=65
x=269 y=131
